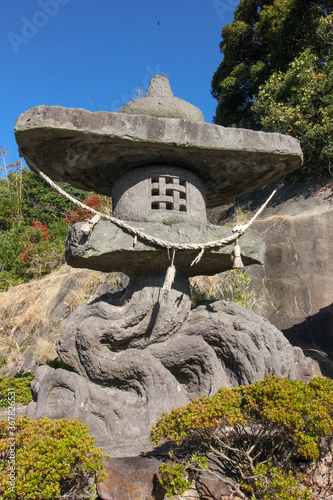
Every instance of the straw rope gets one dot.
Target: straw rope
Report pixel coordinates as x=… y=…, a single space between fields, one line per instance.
x=237 y=230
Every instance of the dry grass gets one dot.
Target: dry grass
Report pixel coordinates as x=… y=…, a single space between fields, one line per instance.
x=44 y=350
x=11 y=351
x=25 y=310
x=277 y=220
x=86 y=289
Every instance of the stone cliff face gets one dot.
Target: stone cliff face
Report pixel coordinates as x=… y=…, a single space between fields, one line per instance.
x=294 y=287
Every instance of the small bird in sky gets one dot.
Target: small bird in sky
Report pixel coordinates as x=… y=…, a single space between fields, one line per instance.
x=158 y=22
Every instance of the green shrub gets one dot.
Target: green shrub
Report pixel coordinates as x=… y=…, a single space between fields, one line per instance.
x=20 y=384
x=54 y=458
x=235 y=285
x=28 y=252
x=198 y=295
x=172 y=479
x=276 y=420
x=271 y=483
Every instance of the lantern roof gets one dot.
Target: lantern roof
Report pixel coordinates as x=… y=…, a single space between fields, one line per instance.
x=91 y=150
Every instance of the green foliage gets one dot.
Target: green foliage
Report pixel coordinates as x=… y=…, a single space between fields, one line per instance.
x=270 y=482
x=276 y=420
x=176 y=478
x=198 y=295
x=26 y=252
x=54 y=458
x=20 y=384
x=172 y=480
x=30 y=210
x=299 y=102
x=235 y=284
x=42 y=202
x=58 y=363
x=265 y=36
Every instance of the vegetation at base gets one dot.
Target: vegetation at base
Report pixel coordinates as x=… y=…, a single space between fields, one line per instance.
x=198 y=295
x=20 y=383
x=57 y=363
x=272 y=483
x=54 y=459
x=276 y=73
x=176 y=478
x=234 y=286
x=260 y=434
x=172 y=479
x=34 y=221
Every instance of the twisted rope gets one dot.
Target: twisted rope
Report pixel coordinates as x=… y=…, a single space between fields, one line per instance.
x=237 y=230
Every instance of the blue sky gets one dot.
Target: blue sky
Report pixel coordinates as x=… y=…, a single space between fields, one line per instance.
x=62 y=52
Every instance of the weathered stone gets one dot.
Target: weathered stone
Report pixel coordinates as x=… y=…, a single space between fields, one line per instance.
x=131 y=478
x=139 y=359
x=247 y=346
x=92 y=150
x=109 y=248
x=212 y=487
x=159 y=101
x=145 y=352
x=160 y=193
x=294 y=288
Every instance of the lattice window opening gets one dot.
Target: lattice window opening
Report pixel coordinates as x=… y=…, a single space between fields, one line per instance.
x=168 y=193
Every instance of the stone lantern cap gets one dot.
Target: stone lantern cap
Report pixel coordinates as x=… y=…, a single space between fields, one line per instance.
x=92 y=150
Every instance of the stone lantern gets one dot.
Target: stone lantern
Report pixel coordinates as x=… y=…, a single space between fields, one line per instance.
x=145 y=352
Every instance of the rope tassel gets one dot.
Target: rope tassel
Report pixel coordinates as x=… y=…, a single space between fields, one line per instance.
x=238 y=263
x=198 y=257
x=170 y=276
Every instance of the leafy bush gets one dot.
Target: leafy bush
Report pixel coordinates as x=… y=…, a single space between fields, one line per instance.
x=272 y=483
x=235 y=286
x=20 y=384
x=198 y=295
x=172 y=479
x=34 y=220
x=276 y=420
x=54 y=458
x=31 y=251
x=299 y=102
x=176 y=478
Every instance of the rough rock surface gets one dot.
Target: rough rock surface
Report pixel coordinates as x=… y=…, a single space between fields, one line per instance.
x=294 y=288
x=109 y=248
x=91 y=150
x=150 y=354
x=131 y=478
x=211 y=487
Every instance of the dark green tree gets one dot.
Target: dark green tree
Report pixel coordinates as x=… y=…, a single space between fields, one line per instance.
x=264 y=37
x=299 y=102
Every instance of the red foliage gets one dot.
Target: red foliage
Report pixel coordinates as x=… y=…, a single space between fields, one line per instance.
x=31 y=241
x=43 y=228
x=81 y=214
x=25 y=255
